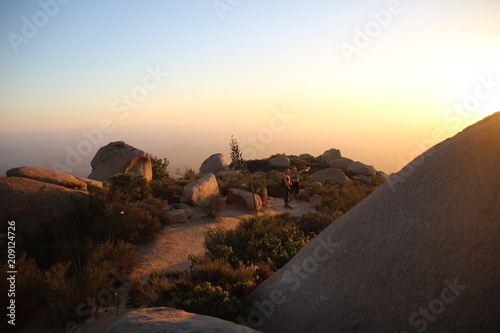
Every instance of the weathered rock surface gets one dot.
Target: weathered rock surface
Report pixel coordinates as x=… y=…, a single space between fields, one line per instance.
x=330 y=155
x=244 y=198
x=92 y=185
x=363 y=179
x=200 y=192
x=280 y=161
x=119 y=157
x=420 y=254
x=178 y=216
x=359 y=168
x=30 y=202
x=162 y=320
x=213 y=164
x=340 y=163
x=329 y=176
x=48 y=176
x=305 y=156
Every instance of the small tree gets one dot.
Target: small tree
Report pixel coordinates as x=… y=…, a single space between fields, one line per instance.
x=237 y=159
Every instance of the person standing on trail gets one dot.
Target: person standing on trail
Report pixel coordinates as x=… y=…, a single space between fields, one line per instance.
x=295 y=184
x=286 y=183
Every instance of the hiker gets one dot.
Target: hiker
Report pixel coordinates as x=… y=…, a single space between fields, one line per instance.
x=295 y=184
x=285 y=181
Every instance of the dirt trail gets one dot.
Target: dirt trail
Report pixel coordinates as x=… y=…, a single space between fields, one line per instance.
x=174 y=243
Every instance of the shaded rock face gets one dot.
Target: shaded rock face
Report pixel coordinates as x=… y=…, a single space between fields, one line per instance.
x=329 y=176
x=340 y=163
x=420 y=254
x=48 y=176
x=244 y=198
x=160 y=320
x=200 y=192
x=119 y=157
x=30 y=202
x=359 y=168
x=306 y=156
x=280 y=161
x=213 y=164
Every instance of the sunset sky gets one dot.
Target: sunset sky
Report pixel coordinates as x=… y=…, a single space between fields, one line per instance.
x=379 y=80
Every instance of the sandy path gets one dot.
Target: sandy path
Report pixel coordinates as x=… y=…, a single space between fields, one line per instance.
x=174 y=243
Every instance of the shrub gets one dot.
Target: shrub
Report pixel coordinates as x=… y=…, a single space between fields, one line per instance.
x=140 y=295
x=159 y=167
x=315 y=222
x=260 y=239
x=165 y=189
x=343 y=196
x=128 y=187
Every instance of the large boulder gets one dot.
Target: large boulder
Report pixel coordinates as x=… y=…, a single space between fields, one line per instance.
x=48 y=176
x=421 y=253
x=305 y=156
x=31 y=202
x=119 y=157
x=329 y=176
x=280 y=161
x=213 y=164
x=340 y=163
x=244 y=198
x=160 y=320
x=200 y=193
x=330 y=155
x=358 y=168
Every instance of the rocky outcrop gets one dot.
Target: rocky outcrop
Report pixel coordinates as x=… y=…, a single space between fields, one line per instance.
x=213 y=164
x=280 y=161
x=306 y=156
x=32 y=202
x=48 y=176
x=364 y=179
x=119 y=157
x=340 y=163
x=329 y=176
x=358 y=168
x=419 y=254
x=200 y=192
x=330 y=155
x=244 y=198
x=160 y=320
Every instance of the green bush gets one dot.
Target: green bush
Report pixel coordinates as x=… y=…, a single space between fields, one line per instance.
x=343 y=196
x=159 y=167
x=260 y=239
x=315 y=222
x=165 y=189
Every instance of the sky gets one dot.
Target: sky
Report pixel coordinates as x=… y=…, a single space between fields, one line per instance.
x=380 y=80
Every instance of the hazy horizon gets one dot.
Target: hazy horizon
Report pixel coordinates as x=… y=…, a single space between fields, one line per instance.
x=380 y=80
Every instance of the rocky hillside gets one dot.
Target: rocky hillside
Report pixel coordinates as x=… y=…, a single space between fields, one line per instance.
x=420 y=254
